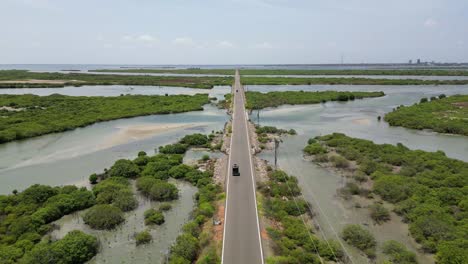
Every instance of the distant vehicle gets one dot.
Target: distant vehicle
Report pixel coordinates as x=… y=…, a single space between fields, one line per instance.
x=235 y=170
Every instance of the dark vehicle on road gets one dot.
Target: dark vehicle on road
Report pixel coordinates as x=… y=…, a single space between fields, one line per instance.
x=235 y=170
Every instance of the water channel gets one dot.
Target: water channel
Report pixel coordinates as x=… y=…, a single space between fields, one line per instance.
x=356 y=119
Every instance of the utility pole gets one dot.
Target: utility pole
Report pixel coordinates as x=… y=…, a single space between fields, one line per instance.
x=277 y=142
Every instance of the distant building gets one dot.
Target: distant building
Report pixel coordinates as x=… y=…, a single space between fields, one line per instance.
x=418 y=61
x=410 y=62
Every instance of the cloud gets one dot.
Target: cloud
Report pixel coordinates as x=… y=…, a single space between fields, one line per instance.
x=144 y=38
x=263 y=45
x=185 y=41
x=225 y=44
x=430 y=22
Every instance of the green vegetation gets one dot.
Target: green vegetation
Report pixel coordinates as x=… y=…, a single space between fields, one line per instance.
x=165 y=207
x=27 y=216
x=360 y=238
x=75 y=247
x=398 y=254
x=143 y=237
x=195 y=140
x=344 y=81
x=103 y=216
x=171 y=71
x=428 y=189
x=17 y=78
x=414 y=72
x=154 y=217
x=124 y=168
x=267 y=134
x=379 y=213
x=115 y=191
x=315 y=149
x=273 y=130
x=445 y=115
x=190 y=243
x=38 y=115
x=258 y=100
x=156 y=189
x=294 y=242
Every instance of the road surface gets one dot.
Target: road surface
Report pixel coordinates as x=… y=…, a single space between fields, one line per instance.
x=242 y=243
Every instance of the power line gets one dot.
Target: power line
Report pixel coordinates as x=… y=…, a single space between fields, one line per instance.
x=308 y=231
x=327 y=221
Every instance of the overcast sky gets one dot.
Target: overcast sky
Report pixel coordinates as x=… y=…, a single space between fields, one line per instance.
x=232 y=31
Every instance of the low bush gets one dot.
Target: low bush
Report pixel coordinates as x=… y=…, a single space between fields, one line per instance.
x=143 y=237
x=156 y=189
x=165 y=207
x=360 y=238
x=154 y=217
x=103 y=216
x=75 y=247
x=398 y=253
x=379 y=213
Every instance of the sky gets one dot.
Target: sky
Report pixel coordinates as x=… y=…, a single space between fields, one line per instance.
x=232 y=31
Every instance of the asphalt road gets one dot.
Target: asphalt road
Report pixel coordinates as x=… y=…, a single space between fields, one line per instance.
x=242 y=243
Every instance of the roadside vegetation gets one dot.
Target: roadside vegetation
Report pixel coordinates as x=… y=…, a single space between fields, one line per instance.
x=406 y=72
x=27 y=79
x=258 y=100
x=294 y=241
x=428 y=189
x=267 y=135
x=25 y=116
x=441 y=114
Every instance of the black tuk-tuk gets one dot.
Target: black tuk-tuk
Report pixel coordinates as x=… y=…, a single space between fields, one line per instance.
x=235 y=170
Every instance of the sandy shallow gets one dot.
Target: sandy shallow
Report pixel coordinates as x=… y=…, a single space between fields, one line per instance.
x=362 y=121
x=139 y=132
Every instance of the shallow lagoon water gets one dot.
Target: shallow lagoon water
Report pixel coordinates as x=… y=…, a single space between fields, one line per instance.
x=70 y=157
x=119 y=246
x=357 y=119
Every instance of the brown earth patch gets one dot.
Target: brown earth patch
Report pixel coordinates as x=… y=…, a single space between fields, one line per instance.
x=218 y=229
x=461 y=104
